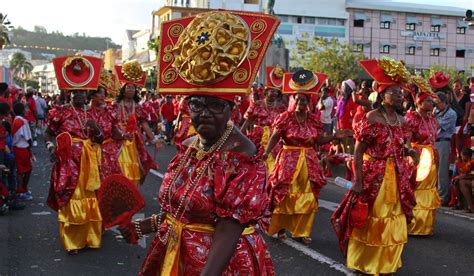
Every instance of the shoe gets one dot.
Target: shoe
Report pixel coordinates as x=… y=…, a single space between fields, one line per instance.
x=3 y=209
x=35 y=144
x=16 y=205
x=306 y=240
x=282 y=235
x=72 y=252
x=25 y=196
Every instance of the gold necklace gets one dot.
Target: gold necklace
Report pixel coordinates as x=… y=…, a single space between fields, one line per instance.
x=125 y=113
x=81 y=123
x=201 y=152
x=396 y=123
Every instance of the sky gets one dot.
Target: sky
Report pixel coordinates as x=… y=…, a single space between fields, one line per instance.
x=110 y=18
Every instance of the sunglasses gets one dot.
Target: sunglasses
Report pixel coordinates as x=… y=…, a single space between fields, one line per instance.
x=215 y=107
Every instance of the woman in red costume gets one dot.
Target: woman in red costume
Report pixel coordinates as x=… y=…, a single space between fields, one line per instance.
x=297 y=177
x=371 y=221
x=134 y=160
x=260 y=116
x=75 y=174
x=213 y=193
x=184 y=129
x=424 y=129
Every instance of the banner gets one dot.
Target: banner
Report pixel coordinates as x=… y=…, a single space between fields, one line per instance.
x=5 y=75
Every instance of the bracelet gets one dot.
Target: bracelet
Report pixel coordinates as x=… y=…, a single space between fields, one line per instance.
x=138 y=229
x=154 y=223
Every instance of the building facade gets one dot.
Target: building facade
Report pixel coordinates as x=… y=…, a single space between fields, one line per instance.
x=421 y=35
x=46 y=78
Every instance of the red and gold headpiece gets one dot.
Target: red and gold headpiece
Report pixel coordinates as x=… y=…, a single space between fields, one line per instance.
x=77 y=72
x=386 y=72
x=216 y=53
x=275 y=77
x=109 y=81
x=303 y=81
x=424 y=88
x=439 y=80
x=131 y=72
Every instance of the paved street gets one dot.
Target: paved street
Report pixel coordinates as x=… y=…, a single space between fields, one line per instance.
x=29 y=240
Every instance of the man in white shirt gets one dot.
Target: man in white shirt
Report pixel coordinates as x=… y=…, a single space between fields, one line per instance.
x=325 y=106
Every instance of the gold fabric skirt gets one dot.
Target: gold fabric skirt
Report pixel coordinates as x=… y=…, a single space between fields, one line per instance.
x=427 y=201
x=377 y=248
x=129 y=163
x=297 y=210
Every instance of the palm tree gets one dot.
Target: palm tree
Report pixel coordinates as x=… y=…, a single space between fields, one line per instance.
x=19 y=65
x=4 y=29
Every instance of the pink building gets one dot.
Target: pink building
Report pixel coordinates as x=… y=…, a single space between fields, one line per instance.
x=421 y=35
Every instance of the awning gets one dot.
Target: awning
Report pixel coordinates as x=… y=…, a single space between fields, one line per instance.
x=386 y=18
x=408 y=45
x=462 y=24
x=460 y=48
x=436 y=22
x=359 y=41
x=412 y=20
x=434 y=46
x=360 y=16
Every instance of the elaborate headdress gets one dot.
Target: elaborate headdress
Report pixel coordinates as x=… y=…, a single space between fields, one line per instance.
x=424 y=89
x=439 y=80
x=275 y=77
x=386 y=72
x=109 y=81
x=303 y=81
x=131 y=72
x=216 y=53
x=77 y=72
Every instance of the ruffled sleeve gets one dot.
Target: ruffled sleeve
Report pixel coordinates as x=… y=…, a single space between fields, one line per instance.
x=240 y=187
x=141 y=114
x=55 y=119
x=365 y=132
x=281 y=122
x=412 y=123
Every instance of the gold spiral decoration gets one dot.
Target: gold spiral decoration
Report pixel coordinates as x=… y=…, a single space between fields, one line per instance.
x=258 y=26
x=256 y=44
x=240 y=75
x=169 y=76
x=168 y=48
x=175 y=30
x=252 y=54
x=168 y=57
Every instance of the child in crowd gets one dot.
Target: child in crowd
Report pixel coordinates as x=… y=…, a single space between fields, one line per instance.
x=463 y=179
x=22 y=142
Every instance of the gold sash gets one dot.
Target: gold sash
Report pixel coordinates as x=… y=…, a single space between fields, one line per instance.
x=90 y=159
x=390 y=179
x=171 y=262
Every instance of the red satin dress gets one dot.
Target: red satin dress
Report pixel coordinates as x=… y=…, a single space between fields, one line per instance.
x=134 y=160
x=377 y=247
x=297 y=178
x=185 y=129
x=74 y=182
x=424 y=132
x=232 y=186
x=263 y=117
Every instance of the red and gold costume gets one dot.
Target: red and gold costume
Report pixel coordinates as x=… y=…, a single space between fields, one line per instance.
x=263 y=117
x=185 y=129
x=297 y=177
x=232 y=185
x=74 y=181
x=134 y=160
x=424 y=134
x=377 y=247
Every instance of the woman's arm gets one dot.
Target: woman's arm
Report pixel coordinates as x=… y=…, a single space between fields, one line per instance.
x=360 y=148
x=467 y=112
x=247 y=123
x=151 y=136
x=226 y=236
x=271 y=143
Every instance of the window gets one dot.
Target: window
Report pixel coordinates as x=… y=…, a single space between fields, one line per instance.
x=435 y=28
x=283 y=18
x=359 y=23
x=461 y=30
x=309 y=20
x=460 y=53
x=410 y=50
x=434 y=52
x=385 y=49
x=385 y=25
x=358 y=47
x=410 y=26
x=299 y=19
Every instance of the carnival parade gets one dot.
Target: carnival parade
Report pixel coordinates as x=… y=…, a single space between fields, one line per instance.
x=233 y=155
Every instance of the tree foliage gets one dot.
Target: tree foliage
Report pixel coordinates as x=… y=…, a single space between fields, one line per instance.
x=330 y=57
x=20 y=66
x=5 y=27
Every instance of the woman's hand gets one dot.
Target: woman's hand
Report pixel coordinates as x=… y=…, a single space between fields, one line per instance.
x=357 y=187
x=414 y=157
x=128 y=232
x=265 y=156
